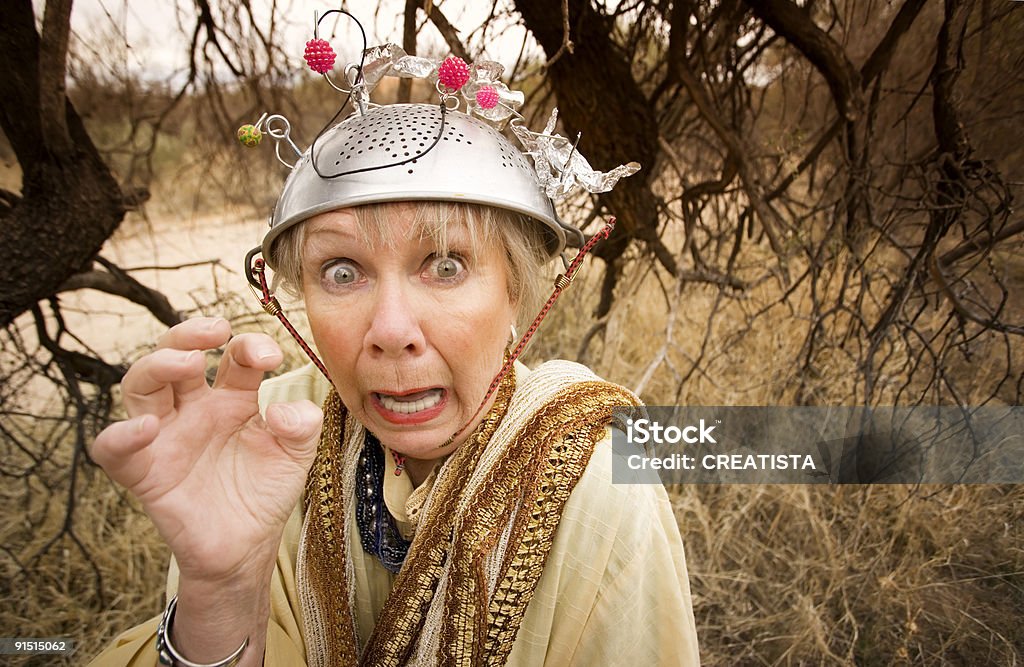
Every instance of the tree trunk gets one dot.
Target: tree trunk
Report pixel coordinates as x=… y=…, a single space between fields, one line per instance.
x=70 y=203
x=598 y=96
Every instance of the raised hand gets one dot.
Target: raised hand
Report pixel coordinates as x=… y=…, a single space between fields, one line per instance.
x=217 y=480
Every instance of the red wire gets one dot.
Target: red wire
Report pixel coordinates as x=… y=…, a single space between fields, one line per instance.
x=272 y=306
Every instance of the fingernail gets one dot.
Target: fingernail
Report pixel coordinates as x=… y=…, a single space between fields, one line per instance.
x=266 y=353
x=191 y=356
x=141 y=425
x=287 y=415
x=212 y=323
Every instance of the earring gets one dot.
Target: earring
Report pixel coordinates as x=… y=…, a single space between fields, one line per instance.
x=513 y=336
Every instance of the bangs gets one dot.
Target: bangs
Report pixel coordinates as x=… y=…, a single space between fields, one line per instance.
x=429 y=220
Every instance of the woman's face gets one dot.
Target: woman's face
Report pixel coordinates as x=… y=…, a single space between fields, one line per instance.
x=412 y=338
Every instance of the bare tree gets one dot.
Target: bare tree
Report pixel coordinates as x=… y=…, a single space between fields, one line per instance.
x=685 y=88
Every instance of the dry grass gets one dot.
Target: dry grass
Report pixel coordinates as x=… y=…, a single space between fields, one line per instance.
x=785 y=575
x=87 y=591
x=866 y=575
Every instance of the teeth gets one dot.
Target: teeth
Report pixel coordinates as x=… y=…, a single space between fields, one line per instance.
x=410 y=407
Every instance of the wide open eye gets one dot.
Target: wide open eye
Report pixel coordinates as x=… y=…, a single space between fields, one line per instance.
x=340 y=272
x=446 y=268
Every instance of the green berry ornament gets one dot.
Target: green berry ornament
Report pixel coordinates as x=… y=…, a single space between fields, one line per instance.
x=250 y=135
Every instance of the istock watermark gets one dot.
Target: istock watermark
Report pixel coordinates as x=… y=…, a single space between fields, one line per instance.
x=819 y=445
x=643 y=431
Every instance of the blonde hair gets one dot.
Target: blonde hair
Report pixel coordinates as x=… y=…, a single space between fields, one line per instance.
x=522 y=239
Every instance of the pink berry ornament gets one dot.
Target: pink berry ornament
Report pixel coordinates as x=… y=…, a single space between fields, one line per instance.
x=453 y=73
x=319 y=56
x=487 y=97
x=249 y=135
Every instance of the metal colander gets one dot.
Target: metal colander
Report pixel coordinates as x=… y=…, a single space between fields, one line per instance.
x=394 y=153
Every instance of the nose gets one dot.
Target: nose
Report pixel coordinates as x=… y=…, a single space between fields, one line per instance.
x=395 y=325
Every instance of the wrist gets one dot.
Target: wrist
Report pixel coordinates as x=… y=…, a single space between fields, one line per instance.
x=212 y=575
x=169 y=655
x=211 y=622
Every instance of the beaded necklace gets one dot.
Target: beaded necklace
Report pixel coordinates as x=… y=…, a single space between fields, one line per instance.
x=377 y=530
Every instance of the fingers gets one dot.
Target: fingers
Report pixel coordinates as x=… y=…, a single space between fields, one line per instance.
x=297 y=428
x=176 y=369
x=246 y=359
x=154 y=383
x=198 y=333
x=121 y=449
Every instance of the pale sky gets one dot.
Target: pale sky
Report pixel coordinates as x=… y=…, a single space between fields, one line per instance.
x=143 y=36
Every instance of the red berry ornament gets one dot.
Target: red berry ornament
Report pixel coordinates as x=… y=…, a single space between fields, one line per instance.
x=319 y=56
x=453 y=73
x=487 y=97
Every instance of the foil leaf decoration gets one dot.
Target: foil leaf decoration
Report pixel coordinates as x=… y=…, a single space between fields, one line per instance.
x=389 y=60
x=488 y=73
x=509 y=101
x=560 y=167
x=414 y=67
x=378 y=62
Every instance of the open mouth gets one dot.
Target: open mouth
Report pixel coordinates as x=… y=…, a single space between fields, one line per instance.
x=411 y=403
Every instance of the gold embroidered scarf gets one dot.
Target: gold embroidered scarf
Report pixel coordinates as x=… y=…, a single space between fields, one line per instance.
x=480 y=548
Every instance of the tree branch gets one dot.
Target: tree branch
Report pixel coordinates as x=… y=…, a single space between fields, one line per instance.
x=19 y=85
x=409 y=46
x=447 y=30
x=875 y=65
x=770 y=219
x=567 y=45
x=954 y=147
x=973 y=245
x=117 y=282
x=75 y=364
x=797 y=28
x=53 y=52
x=962 y=309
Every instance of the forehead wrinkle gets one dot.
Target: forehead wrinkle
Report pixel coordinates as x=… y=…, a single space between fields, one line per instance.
x=385 y=226
x=320 y=236
x=331 y=224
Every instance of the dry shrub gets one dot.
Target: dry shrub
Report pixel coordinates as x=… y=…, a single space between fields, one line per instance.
x=792 y=575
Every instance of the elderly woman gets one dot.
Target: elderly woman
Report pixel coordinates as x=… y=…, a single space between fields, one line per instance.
x=437 y=510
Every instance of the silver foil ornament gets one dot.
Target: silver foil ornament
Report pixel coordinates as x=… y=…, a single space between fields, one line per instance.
x=561 y=169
